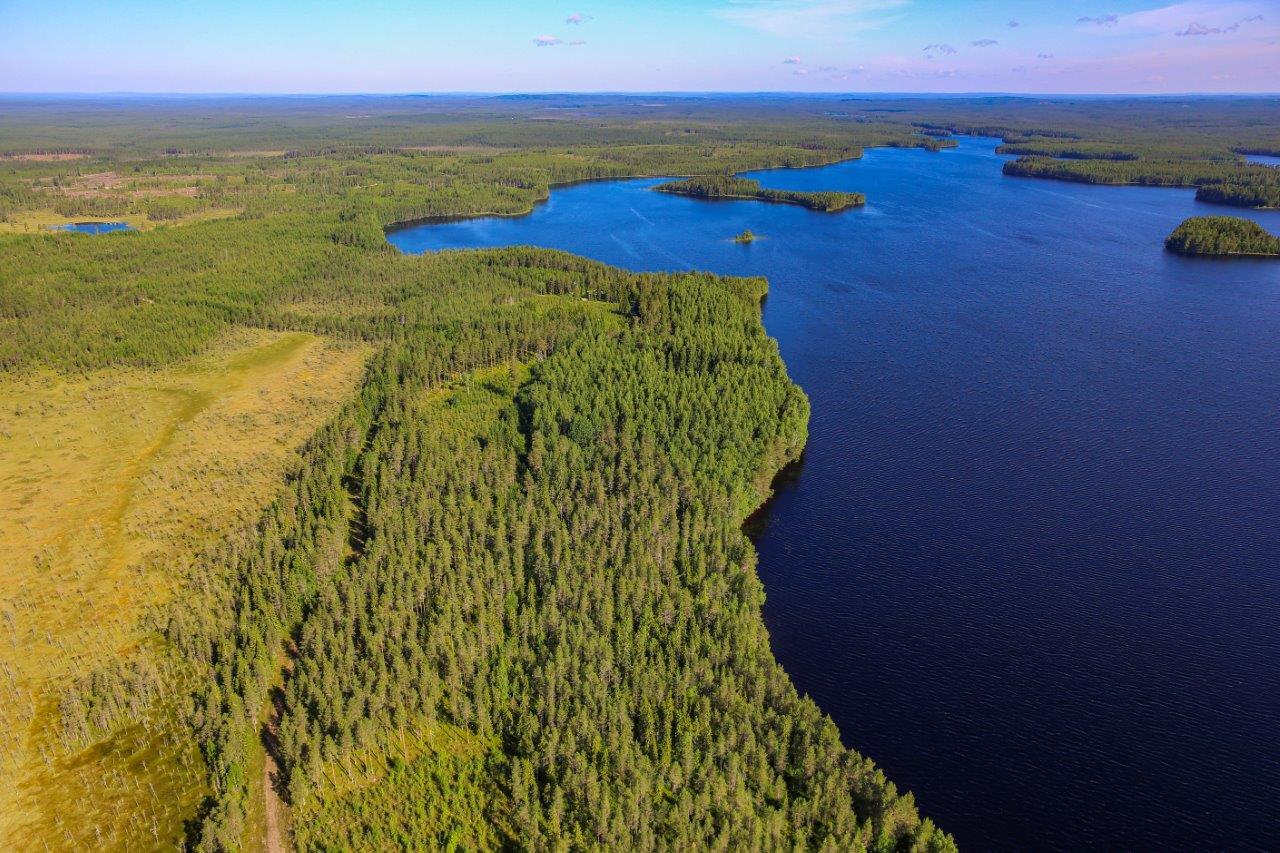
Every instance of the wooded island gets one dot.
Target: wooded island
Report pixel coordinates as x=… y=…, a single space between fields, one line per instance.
x=726 y=187
x=1222 y=236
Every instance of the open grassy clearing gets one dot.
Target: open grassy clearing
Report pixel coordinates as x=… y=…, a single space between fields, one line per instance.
x=361 y=798
x=108 y=482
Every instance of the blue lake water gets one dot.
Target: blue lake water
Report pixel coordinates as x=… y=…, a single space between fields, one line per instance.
x=1030 y=562
x=94 y=227
x=1264 y=159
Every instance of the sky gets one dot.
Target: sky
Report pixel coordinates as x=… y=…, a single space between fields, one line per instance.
x=269 y=46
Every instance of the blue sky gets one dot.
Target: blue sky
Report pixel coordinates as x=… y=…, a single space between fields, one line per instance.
x=1101 y=46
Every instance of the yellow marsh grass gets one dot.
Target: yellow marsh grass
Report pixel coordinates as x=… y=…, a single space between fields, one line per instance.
x=109 y=484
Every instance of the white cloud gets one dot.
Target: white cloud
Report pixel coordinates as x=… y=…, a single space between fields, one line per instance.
x=1099 y=20
x=577 y=18
x=547 y=41
x=984 y=42
x=807 y=17
x=791 y=60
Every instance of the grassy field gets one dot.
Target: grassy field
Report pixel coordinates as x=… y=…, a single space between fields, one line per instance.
x=108 y=482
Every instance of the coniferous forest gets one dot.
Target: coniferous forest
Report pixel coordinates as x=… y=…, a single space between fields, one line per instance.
x=501 y=598
x=1222 y=235
x=728 y=187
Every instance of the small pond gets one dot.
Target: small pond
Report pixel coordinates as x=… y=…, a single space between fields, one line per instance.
x=94 y=227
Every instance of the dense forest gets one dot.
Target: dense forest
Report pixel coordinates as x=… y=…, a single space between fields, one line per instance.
x=502 y=598
x=1222 y=235
x=1257 y=193
x=1232 y=182
x=545 y=572
x=729 y=187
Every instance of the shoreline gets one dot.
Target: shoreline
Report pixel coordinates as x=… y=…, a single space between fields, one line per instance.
x=862 y=203
x=445 y=218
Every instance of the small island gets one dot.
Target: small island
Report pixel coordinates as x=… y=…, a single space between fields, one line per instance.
x=727 y=187
x=745 y=237
x=1222 y=236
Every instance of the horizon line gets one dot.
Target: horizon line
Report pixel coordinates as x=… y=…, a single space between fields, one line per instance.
x=627 y=93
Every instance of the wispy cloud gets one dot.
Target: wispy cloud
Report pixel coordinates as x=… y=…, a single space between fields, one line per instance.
x=946 y=49
x=984 y=42
x=577 y=18
x=1044 y=56
x=791 y=60
x=1015 y=24
x=807 y=17
x=577 y=43
x=847 y=73
x=547 y=41
x=1195 y=28
x=1188 y=68
x=1206 y=17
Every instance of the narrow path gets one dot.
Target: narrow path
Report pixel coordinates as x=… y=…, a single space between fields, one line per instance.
x=278 y=837
x=275 y=841
x=278 y=833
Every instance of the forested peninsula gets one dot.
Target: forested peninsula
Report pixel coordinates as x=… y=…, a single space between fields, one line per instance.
x=1229 y=182
x=498 y=595
x=1222 y=236
x=726 y=187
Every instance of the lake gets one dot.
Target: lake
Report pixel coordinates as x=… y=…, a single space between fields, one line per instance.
x=93 y=227
x=1030 y=562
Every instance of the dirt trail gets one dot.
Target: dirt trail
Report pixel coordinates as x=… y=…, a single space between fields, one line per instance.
x=278 y=833
x=278 y=836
